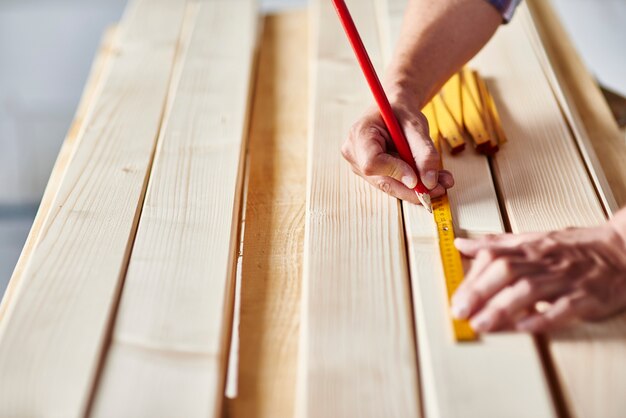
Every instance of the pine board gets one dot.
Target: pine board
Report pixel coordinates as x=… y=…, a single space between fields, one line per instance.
x=274 y=218
x=52 y=334
x=545 y=186
x=583 y=96
x=172 y=331
x=473 y=198
x=540 y=171
x=357 y=355
x=500 y=375
x=572 y=117
x=90 y=93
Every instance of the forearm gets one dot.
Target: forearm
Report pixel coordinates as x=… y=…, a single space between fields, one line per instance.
x=436 y=40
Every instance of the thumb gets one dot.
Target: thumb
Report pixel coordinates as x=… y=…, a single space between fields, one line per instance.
x=373 y=160
x=384 y=164
x=426 y=157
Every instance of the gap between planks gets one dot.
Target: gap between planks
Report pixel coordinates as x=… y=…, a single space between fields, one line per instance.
x=583 y=96
x=274 y=231
x=456 y=377
x=172 y=331
x=545 y=186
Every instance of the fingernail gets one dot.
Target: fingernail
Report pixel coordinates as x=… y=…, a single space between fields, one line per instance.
x=430 y=179
x=480 y=323
x=409 y=181
x=459 y=242
x=460 y=310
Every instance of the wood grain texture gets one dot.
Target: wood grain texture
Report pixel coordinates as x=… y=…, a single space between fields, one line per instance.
x=583 y=96
x=573 y=119
x=540 y=172
x=90 y=93
x=473 y=200
x=52 y=334
x=172 y=331
x=544 y=184
x=499 y=375
x=274 y=232
x=357 y=354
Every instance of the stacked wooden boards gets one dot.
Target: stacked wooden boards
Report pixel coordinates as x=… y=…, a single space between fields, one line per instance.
x=456 y=377
x=182 y=265
x=171 y=76
x=544 y=185
x=581 y=95
x=567 y=198
x=156 y=364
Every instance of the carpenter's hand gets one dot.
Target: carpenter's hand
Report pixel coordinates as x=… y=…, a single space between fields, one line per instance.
x=581 y=273
x=370 y=151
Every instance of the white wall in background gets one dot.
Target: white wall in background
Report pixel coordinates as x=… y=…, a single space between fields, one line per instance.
x=598 y=28
x=46 y=51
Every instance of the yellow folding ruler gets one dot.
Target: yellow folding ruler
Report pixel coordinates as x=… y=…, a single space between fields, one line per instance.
x=450 y=256
x=451 y=261
x=463 y=108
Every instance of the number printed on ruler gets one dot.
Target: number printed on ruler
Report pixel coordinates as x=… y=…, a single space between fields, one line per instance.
x=451 y=260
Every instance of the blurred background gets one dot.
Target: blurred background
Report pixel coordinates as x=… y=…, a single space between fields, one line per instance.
x=46 y=50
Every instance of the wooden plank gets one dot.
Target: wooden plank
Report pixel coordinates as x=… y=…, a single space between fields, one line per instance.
x=52 y=334
x=274 y=233
x=357 y=355
x=574 y=120
x=90 y=93
x=545 y=186
x=499 y=375
x=583 y=97
x=479 y=379
x=540 y=172
x=473 y=199
x=172 y=332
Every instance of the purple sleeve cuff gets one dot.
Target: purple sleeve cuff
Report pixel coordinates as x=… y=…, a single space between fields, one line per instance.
x=505 y=7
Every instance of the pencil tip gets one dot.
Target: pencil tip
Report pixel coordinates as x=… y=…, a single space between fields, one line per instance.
x=426 y=202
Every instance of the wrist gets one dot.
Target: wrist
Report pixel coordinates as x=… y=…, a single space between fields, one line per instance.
x=404 y=87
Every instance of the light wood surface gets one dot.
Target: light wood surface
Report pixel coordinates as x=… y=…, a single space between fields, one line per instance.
x=172 y=331
x=274 y=219
x=53 y=331
x=583 y=95
x=357 y=354
x=574 y=120
x=545 y=186
x=342 y=209
x=90 y=93
x=499 y=375
x=541 y=176
x=594 y=390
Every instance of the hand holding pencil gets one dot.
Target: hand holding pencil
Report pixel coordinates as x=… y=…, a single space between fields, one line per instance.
x=370 y=151
x=370 y=158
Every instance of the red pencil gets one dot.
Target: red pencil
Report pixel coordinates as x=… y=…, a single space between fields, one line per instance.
x=386 y=111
